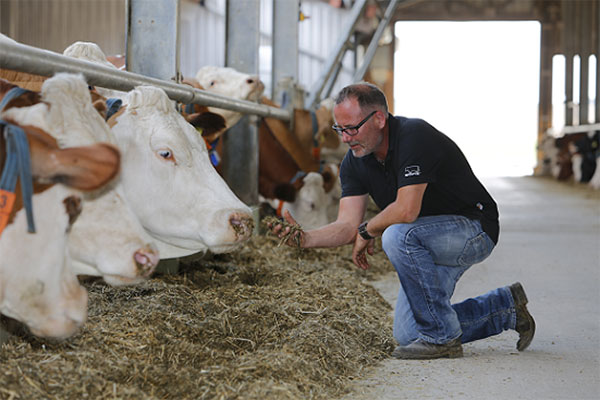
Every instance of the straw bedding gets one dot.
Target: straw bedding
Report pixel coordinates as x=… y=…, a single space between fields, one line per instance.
x=264 y=322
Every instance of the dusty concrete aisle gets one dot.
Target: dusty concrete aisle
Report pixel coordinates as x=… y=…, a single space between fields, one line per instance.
x=550 y=242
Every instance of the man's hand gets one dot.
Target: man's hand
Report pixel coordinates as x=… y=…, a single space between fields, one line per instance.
x=289 y=231
x=361 y=247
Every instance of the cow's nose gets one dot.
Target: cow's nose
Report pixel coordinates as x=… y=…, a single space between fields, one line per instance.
x=146 y=259
x=242 y=224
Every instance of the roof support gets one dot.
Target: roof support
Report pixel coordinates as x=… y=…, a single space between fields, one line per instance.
x=153 y=38
x=285 y=44
x=340 y=49
x=370 y=53
x=240 y=143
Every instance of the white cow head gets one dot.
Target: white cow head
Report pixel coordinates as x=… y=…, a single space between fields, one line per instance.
x=37 y=285
x=167 y=176
x=168 y=179
x=91 y=52
x=310 y=207
x=229 y=82
x=108 y=240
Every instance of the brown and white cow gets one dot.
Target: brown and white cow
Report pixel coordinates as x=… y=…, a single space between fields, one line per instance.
x=312 y=201
x=108 y=239
x=37 y=285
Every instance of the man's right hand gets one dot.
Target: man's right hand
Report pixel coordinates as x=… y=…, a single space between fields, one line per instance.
x=288 y=230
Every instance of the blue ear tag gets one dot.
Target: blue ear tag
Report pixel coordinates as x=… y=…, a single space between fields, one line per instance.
x=113 y=105
x=214 y=158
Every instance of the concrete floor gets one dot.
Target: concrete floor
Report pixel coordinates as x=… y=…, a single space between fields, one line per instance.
x=550 y=242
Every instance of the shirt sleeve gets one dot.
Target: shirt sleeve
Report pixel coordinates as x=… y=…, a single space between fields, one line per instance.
x=351 y=184
x=422 y=154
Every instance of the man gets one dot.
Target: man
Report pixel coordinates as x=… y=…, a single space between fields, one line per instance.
x=436 y=220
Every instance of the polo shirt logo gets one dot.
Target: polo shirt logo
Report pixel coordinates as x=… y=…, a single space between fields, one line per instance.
x=412 y=170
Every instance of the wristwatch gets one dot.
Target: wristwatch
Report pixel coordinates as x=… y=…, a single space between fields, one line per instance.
x=362 y=231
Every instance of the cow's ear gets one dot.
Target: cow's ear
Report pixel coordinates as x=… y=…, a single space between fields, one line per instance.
x=328 y=180
x=209 y=122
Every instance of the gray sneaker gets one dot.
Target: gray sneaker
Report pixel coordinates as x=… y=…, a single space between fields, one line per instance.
x=422 y=350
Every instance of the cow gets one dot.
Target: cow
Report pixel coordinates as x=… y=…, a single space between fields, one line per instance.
x=594 y=182
x=584 y=152
x=227 y=81
x=281 y=179
x=108 y=240
x=37 y=285
x=311 y=203
x=313 y=129
x=168 y=179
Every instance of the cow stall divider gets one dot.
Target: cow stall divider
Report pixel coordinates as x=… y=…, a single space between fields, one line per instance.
x=29 y=59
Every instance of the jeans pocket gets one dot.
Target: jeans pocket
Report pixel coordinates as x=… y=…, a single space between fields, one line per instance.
x=476 y=250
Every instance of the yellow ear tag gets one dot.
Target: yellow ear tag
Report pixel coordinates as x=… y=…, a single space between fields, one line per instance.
x=7 y=200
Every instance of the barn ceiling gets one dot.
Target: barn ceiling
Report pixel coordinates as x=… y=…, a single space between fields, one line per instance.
x=469 y=10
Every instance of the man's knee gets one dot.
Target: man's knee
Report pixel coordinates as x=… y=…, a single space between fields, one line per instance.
x=393 y=238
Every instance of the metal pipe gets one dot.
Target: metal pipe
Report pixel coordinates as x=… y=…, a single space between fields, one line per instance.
x=370 y=53
x=580 y=128
x=20 y=57
x=341 y=47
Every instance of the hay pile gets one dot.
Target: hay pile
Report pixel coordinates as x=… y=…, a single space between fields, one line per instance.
x=265 y=322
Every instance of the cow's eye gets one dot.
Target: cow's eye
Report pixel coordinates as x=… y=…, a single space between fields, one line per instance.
x=212 y=83
x=166 y=154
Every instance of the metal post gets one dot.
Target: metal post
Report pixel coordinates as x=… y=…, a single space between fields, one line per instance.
x=569 y=53
x=597 y=52
x=340 y=49
x=285 y=45
x=584 y=35
x=545 y=94
x=240 y=143
x=153 y=38
x=370 y=53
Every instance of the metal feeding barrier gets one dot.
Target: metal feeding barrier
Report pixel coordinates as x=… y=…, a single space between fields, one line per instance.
x=20 y=57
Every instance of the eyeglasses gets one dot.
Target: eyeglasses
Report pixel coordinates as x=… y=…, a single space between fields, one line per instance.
x=352 y=130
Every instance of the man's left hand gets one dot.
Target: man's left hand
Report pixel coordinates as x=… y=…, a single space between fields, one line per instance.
x=360 y=250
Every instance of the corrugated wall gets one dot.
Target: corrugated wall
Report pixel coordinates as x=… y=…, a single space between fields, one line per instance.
x=55 y=24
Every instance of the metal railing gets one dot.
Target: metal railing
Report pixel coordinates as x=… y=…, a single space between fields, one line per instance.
x=20 y=57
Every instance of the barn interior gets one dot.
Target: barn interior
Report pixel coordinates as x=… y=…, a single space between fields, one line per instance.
x=270 y=322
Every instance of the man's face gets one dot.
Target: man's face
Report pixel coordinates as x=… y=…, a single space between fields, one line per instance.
x=367 y=138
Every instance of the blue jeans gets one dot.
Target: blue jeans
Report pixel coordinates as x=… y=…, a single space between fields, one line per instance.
x=430 y=255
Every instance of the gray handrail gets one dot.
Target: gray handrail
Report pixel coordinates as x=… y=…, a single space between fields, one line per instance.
x=20 y=57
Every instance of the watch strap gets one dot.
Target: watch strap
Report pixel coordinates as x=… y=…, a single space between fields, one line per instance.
x=362 y=231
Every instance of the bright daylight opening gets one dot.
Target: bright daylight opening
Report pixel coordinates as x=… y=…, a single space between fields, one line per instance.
x=477 y=82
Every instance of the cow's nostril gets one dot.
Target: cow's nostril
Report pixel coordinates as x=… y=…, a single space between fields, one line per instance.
x=146 y=259
x=242 y=225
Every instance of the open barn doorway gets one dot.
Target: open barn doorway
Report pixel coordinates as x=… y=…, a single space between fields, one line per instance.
x=478 y=82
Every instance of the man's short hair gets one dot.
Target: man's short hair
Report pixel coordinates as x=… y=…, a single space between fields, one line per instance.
x=366 y=94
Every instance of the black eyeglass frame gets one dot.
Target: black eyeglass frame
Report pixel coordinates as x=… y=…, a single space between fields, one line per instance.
x=340 y=131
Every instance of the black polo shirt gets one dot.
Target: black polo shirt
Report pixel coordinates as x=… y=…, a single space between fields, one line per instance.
x=419 y=153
